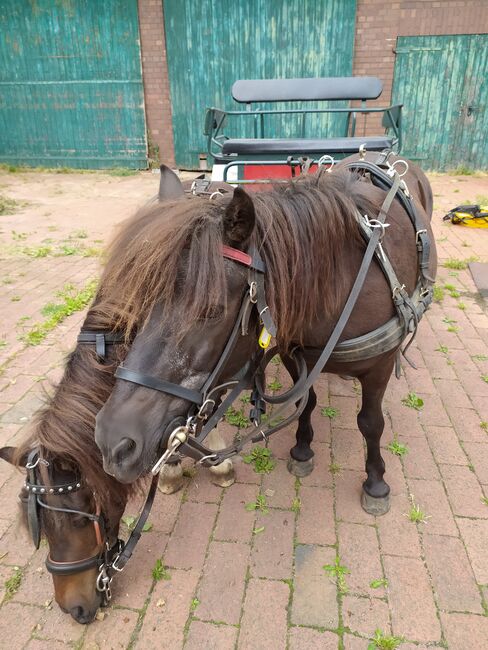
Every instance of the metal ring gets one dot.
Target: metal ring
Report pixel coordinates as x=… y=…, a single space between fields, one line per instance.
x=326 y=160
x=206 y=458
x=400 y=162
x=39 y=460
x=216 y=193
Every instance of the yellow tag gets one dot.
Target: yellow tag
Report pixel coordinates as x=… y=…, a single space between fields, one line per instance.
x=264 y=338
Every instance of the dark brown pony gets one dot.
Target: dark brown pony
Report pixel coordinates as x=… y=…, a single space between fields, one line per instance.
x=173 y=280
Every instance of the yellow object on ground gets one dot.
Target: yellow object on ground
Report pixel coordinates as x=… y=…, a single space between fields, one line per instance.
x=473 y=216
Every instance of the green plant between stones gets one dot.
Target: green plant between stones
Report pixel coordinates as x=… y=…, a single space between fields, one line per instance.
x=12 y=584
x=72 y=300
x=338 y=572
x=261 y=459
x=296 y=504
x=438 y=295
x=413 y=401
x=376 y=584
x=160 y=572
x=397 y=448
x=335 y=468
x=329 y=412
x=275 y=385
x=236 y=418
x=382 y=641
x=416 y=515
x=260 y=504
x=480 y=357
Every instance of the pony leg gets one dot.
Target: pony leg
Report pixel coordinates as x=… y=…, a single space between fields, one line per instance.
x=171 y=478
x=223 y=474
x=375 y=498
x=300 y=462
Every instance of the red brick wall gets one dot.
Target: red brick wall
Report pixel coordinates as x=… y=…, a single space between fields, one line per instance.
x=156 y=83
x=379 y=22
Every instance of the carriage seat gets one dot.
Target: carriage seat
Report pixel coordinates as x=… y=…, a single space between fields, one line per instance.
x=263 y=123
x=305 y=146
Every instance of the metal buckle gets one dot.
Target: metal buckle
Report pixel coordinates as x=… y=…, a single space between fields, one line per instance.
x=176 y=438
x=253 y=292
x=397 y=289
x=417 y=235
x=201 y=411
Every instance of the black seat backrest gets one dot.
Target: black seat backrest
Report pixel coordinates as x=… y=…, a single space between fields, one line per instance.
x=246 y=91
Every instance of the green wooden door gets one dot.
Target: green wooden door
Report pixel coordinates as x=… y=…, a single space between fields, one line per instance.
x=212 y=43
x=443 y=84
x=71 y=89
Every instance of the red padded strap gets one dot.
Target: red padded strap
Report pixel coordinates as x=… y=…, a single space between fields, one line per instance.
x=236 y=255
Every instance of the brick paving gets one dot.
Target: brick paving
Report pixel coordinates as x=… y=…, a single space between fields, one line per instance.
x=244 y=579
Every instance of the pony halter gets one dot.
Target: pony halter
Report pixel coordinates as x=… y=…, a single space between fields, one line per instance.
x=103 y=560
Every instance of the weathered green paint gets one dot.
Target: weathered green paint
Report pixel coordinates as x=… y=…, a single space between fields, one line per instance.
x=443 y=84
x=212 y=43
x=71 y=89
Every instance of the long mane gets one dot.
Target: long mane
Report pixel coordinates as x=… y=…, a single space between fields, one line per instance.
x=301 y=230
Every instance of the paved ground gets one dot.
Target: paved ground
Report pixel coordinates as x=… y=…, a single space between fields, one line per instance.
x=256 y=580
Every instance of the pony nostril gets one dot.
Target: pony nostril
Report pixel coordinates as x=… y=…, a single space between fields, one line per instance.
x=123 y=450
x=82 y=615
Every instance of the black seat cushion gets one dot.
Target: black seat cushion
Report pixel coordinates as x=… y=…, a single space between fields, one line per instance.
x=305 y=146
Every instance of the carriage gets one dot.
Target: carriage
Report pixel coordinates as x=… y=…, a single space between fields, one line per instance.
x=285 y=140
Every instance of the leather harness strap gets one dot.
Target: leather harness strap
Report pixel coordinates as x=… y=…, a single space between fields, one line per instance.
x=160 y=385
x=100 y=339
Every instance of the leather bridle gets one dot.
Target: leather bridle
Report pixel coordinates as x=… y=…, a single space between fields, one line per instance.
x=111 y=557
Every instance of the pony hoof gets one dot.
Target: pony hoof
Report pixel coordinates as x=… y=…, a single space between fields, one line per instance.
x=376 y=506
x=223 y=475
x=300 y=468
x=171 y=479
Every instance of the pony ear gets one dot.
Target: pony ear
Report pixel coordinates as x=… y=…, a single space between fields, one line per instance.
x=170 y=186
x=8 y=454
x=239 y=218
